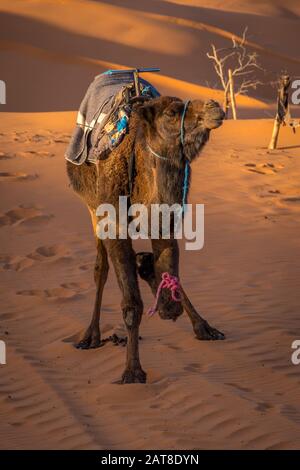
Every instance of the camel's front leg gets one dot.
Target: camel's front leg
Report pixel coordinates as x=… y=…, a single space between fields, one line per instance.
x=202 y=330
x=123 y=259
x=201 y=327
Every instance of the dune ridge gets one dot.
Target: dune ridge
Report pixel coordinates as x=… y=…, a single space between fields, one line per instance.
x=54 y=50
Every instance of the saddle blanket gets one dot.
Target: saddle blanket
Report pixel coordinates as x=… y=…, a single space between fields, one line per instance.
x=96 y=133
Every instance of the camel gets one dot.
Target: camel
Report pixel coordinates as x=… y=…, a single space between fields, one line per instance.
x=155 y=129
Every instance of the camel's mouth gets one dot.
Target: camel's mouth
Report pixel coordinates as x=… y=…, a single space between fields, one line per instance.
x=213 y=115
x=213 y=123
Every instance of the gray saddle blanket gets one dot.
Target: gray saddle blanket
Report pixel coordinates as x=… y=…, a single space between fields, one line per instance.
x=96 y=133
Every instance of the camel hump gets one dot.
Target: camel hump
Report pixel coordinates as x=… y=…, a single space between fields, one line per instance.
x=103 y=116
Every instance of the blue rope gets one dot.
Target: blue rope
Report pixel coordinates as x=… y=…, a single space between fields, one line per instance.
x=182 y=121
x=185 y=185
x=185 y=188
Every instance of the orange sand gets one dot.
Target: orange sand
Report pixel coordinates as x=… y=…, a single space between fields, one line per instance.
x=240 y=393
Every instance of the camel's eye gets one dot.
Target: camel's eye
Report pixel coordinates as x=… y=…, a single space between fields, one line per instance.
x=171 y=113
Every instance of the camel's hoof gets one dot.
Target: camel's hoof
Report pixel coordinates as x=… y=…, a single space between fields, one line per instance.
x=137 y=376
x=205 y=332
x=89 y=342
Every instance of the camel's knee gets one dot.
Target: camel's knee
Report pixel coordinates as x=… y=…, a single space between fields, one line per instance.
x=101 y=271
x=101 y=267
x=132 y=315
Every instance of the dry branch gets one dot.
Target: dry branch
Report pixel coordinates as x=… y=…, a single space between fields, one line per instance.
x=232 y=65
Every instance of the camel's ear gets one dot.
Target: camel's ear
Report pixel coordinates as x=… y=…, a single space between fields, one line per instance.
x=147 y=111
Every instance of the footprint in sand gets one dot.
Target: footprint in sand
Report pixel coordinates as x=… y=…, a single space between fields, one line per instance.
x=49 y=253
x=6 y=176
x=62 y=139
x=193 y=367
x=291 y=412
x=45 y=254
x=40 y=138
x=263 y=407
x=292 y=199
x=33 y=138
x=6 y=316
x=65 y=292
x=19 y=136
x=267 y=192
x=274 y=191
x=14 y=263
x=25 y=215
x=86 y=267
x=264 y=168
x=6 y=156
x=34 y=153
x=239 y=387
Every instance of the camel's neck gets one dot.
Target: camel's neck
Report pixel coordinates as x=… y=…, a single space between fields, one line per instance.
x=170 y=178
x=162 y=179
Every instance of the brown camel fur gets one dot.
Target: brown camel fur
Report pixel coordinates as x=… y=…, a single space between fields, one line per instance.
x=156 y=123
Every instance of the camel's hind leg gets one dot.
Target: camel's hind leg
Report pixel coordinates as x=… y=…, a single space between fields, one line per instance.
x=92 y=337
x=202 y=330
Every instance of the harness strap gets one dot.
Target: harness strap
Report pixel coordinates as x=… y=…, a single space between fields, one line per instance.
x=182 y=122
x=156 y=154
x=185 y=184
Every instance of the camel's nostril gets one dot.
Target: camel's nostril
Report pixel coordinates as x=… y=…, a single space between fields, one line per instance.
x=222 y=114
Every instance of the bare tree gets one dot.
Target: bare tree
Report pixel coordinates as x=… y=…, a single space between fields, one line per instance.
x=235 y=64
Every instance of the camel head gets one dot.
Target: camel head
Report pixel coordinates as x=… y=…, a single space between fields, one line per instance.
x=163 y=120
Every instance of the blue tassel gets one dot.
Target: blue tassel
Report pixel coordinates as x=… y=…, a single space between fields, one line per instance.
x=122 y=123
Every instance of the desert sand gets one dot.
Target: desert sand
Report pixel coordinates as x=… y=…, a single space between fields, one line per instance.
x=239 y=393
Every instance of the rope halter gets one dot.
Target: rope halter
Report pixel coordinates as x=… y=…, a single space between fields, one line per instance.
x=185 y=187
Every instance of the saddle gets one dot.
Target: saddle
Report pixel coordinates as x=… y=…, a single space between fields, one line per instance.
x=104 y=113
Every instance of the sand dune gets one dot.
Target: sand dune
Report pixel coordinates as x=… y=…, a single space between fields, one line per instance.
x=290 y=8
x=240 y=393
x=97 y=34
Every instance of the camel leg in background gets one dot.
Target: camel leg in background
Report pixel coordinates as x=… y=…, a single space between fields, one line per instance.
x=202 y=330
x=92 y=336
x=123 y=258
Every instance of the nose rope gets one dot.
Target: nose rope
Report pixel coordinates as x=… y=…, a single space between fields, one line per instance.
x=167 y=282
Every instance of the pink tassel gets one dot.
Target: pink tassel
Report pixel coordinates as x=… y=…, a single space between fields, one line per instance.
x=167 y=282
